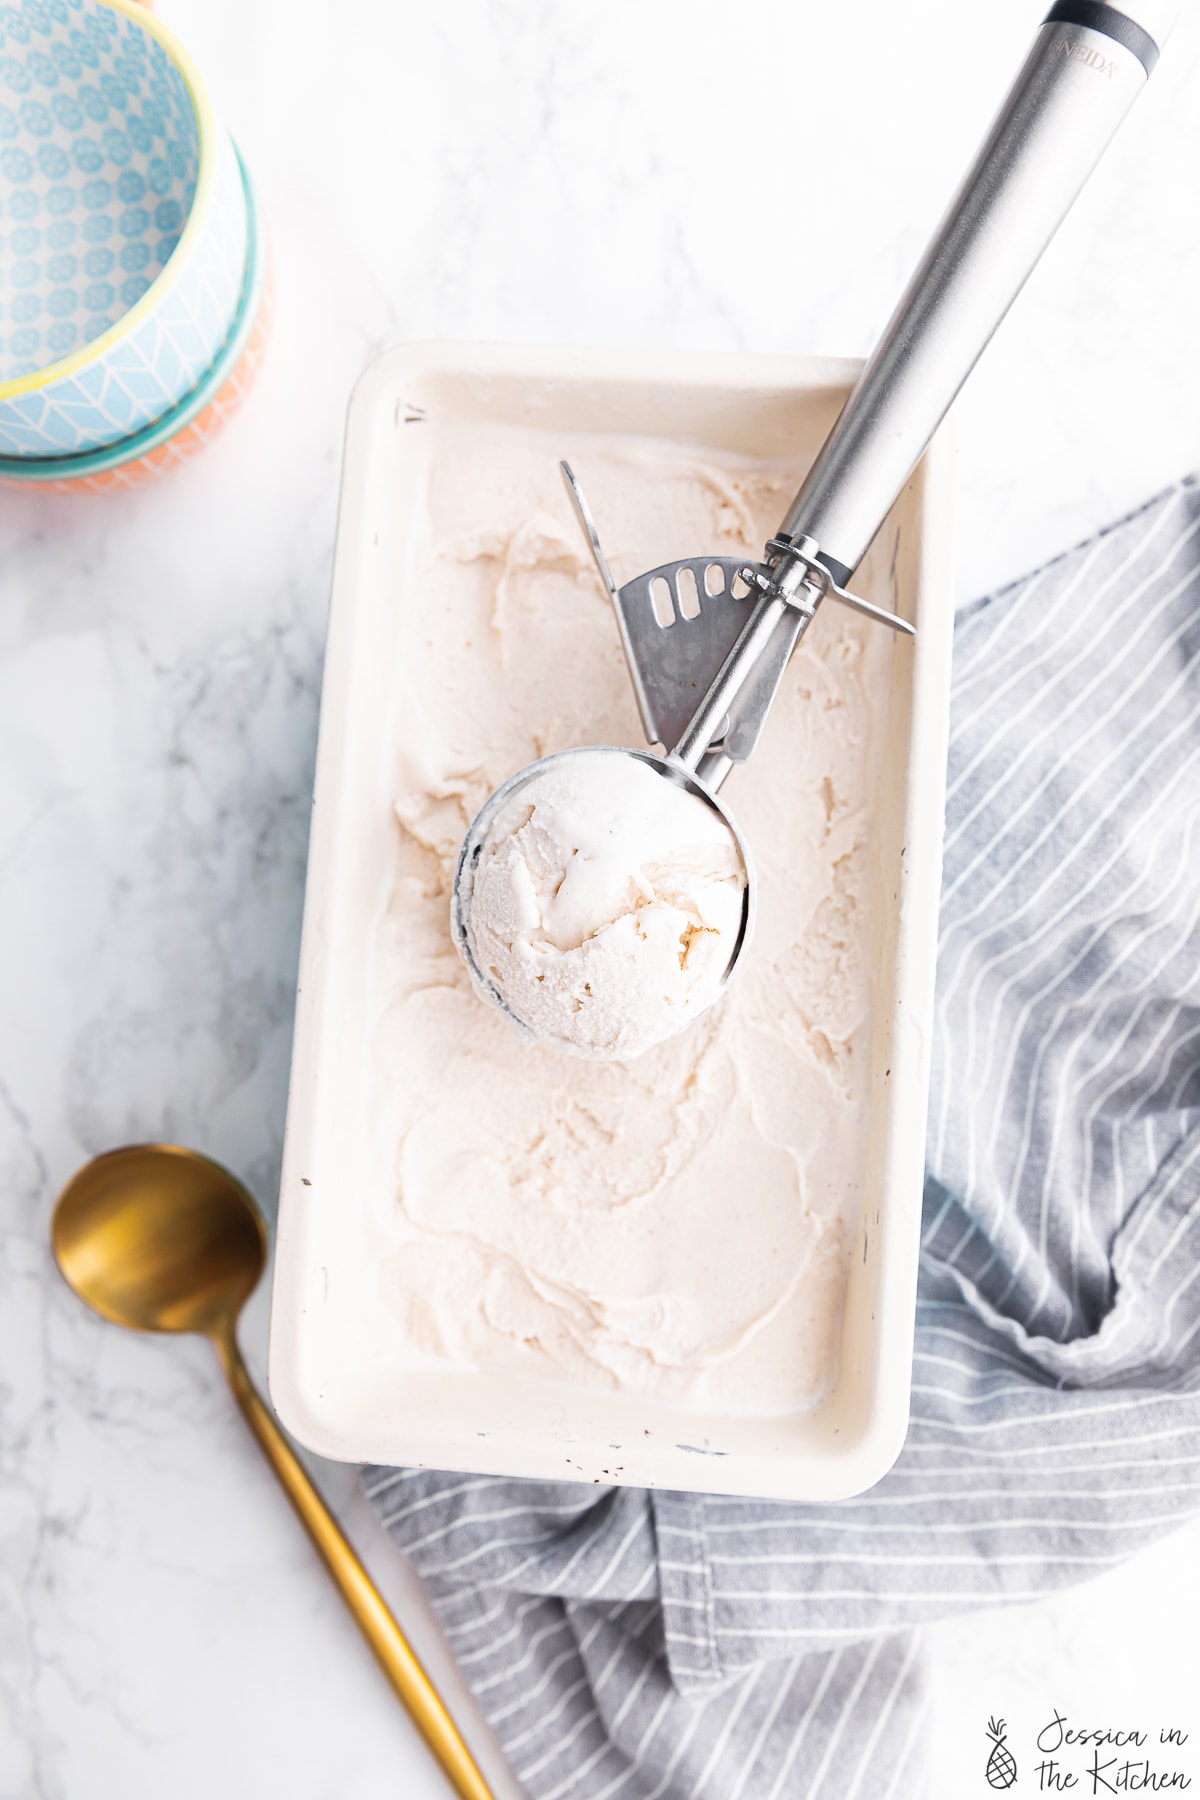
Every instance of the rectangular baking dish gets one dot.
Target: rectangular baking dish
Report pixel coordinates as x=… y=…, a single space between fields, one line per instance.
x=339 y=1380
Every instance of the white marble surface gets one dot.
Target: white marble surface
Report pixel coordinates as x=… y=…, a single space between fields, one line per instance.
x=610 y=174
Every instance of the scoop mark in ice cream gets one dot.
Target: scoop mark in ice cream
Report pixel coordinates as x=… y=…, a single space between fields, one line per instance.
x=606 y=904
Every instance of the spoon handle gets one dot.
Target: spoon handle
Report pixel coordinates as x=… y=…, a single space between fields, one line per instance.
x=393 y=1650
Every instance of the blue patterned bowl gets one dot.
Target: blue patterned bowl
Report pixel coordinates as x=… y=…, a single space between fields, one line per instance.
x=123 y=225
x=199 y=417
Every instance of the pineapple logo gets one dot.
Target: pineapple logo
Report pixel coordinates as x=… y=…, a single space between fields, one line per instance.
x=1001 y=1764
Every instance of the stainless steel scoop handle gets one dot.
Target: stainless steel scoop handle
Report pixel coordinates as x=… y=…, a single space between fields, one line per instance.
x=1087 y=65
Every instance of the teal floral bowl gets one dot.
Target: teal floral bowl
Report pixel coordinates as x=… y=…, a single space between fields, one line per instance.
x=123 y=225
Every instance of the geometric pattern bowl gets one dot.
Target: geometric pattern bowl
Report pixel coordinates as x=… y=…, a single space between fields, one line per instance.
x=197 y=418
x=122 y=225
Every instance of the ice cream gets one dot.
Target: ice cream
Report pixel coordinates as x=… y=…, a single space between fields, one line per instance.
x=606 y=904
x=676 y=1226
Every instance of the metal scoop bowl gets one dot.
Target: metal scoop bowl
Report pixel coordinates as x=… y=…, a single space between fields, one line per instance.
x=670 y=769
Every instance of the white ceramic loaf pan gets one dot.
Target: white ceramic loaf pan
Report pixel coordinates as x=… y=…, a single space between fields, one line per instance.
x=339 y=1379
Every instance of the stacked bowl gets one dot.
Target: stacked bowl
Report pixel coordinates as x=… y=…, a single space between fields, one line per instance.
x=134 y=287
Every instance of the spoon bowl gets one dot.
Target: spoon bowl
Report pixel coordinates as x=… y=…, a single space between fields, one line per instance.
x=159 y=1238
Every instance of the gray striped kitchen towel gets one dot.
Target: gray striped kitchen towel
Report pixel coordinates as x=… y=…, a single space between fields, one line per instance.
x=660 y=1646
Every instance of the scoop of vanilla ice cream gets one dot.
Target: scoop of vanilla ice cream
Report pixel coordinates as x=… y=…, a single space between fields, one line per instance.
x=606 y=904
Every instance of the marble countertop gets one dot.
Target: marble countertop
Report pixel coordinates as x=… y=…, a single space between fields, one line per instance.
x=509 y=170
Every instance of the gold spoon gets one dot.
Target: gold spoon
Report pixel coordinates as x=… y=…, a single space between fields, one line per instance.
x=158 y=1238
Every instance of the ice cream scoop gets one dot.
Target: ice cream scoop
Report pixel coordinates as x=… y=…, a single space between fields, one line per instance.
x=708 y=639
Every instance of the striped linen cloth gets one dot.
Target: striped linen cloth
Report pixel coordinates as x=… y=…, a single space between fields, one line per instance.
x=660 y=1646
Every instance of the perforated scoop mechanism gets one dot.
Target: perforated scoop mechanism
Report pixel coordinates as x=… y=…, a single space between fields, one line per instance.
x=681 y=622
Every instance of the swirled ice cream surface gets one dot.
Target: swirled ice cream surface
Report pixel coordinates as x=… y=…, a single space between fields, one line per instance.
x=677 y=1224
